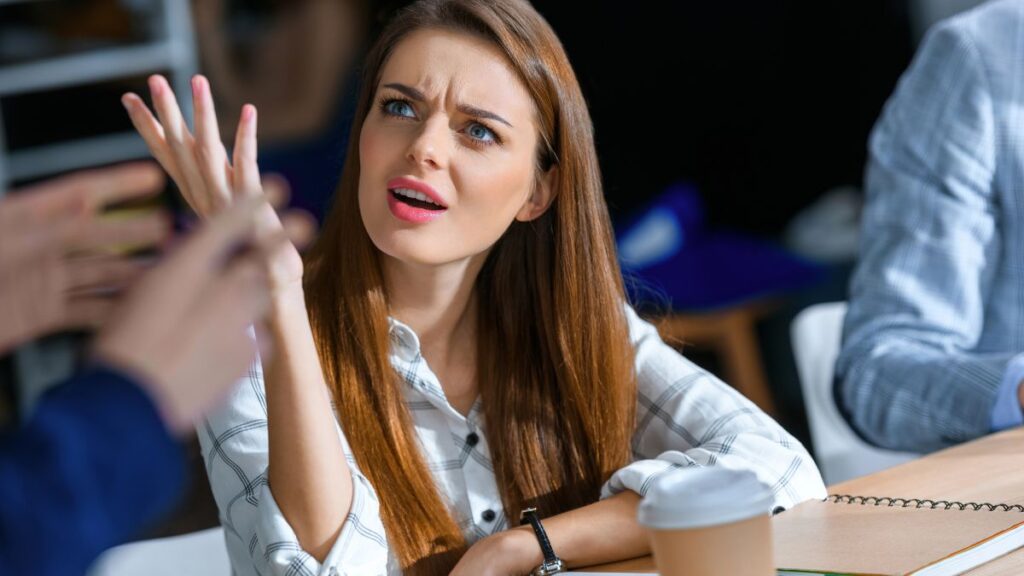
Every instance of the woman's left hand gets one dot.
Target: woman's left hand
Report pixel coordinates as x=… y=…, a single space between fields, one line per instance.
x=510 y=553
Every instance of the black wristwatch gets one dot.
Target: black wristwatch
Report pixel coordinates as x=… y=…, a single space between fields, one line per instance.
x=552 y=564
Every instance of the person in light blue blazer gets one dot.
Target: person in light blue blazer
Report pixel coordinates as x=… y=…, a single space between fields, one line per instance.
x=933 y=341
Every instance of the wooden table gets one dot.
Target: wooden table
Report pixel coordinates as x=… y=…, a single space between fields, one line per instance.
x=985 y=470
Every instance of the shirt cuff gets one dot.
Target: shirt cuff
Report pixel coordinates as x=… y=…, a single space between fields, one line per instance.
x=1006 y=412
x=639 y=475
x=361 y=548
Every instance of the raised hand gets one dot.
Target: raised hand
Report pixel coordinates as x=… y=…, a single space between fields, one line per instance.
x=199 y=163
x=62 y=260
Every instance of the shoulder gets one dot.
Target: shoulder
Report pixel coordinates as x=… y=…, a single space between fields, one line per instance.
x=984 y=42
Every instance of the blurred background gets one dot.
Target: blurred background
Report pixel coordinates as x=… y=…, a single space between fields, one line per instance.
x=732 y=139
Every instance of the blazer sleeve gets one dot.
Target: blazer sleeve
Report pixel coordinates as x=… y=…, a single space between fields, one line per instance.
x=91 y=468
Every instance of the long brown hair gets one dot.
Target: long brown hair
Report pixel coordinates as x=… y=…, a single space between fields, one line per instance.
x=555 y=365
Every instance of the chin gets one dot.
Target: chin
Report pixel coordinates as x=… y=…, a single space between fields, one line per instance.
x=412 y=247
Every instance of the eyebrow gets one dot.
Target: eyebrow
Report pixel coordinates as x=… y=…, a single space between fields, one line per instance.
x=464 y=108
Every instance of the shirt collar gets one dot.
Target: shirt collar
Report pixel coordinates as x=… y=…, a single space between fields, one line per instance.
x=404 y=341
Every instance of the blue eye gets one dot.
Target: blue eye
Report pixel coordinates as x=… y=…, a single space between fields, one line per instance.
x=480 y=132
x=399 y=108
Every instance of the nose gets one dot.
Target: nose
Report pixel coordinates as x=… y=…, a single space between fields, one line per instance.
x=430 y=147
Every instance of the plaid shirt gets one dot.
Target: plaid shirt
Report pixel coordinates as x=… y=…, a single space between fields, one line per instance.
x=686 y=417
x=933 y=341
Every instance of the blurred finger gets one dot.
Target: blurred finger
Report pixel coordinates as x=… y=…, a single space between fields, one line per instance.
x=211 y=157
x=247 y=174
x=277 y=189
x=103 y=275
x=88 y=313
x=179 y=139
x=300 y=227
x=121 y=232
x=153 y=134
x=87 y=191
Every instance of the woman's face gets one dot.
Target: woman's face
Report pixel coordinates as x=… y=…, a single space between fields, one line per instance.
x=448 y=151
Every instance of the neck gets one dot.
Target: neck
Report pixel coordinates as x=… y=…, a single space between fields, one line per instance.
x=437 y=302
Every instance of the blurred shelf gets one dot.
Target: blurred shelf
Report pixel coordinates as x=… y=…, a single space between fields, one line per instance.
x=73 y=154
x=170 y=50
x=94 y=66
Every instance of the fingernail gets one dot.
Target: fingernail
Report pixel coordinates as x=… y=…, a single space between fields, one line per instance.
x=155 y=87
x=126 y=102
x=196 y=86
x=248 y=112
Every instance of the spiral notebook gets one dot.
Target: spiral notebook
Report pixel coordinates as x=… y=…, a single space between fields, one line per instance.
x=866 y=535
x=872 y=536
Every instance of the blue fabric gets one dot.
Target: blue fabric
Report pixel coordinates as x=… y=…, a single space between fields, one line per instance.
x=936 y=310
x=92 y=466
x=1007 y=411
x=668 y=252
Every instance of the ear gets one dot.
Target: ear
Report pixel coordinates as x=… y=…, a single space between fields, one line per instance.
x=543 y=194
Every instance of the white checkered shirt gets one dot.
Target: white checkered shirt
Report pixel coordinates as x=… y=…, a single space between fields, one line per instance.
x=685 y=417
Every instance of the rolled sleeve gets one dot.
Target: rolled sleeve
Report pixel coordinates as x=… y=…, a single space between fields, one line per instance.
x=687 y=417
x=259 y=539
x=360 y=548
x=1006 y=412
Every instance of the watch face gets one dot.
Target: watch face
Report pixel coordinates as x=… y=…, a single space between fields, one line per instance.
x=548 y=568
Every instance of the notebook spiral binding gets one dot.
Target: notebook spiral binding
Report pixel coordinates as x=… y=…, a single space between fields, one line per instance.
x=923 y=503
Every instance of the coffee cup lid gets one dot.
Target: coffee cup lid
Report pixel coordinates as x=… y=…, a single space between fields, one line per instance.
x=695 y=497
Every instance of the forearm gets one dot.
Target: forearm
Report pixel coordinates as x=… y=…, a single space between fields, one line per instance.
x=882 y=375
x=308 y=475
x=605 y=531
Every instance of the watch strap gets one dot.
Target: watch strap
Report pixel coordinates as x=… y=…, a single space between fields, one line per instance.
x=552 y=564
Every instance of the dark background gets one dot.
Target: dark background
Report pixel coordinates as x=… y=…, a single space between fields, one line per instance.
x=764 y=105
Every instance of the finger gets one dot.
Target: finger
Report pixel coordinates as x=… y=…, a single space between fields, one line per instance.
x=153 y=134
x=124 y=231
x=211 y=157
x=277 y=189
x=300 y=227
x=247 y=173
x=87 y=191
x=180 y=140
x=88 y=313
x=102 y=275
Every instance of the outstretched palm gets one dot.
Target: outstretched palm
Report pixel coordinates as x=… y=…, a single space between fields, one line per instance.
x=199 y=163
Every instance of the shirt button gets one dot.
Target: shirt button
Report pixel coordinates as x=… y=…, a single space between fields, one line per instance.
x=488 y=515
x=472 y=440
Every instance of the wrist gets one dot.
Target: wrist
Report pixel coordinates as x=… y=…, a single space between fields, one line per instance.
x=286 y=302
x=520 y=545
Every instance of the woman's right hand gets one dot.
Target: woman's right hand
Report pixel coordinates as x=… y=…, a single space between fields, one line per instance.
x=200 y=166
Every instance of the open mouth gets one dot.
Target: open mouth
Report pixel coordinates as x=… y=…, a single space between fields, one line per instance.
x=415 y=199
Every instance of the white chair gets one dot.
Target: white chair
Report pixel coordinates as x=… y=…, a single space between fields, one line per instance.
x=839 y=452
x=200 y=553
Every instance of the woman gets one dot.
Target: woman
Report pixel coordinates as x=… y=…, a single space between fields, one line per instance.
x=464 y=312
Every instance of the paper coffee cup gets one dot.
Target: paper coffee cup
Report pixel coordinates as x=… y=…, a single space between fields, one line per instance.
x=709 y=521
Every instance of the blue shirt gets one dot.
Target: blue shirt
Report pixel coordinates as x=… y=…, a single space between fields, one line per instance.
x=92 y=466
x=936 y=317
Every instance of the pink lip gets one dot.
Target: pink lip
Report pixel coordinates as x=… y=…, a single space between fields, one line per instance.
x=404 y=211
x=419 y=186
